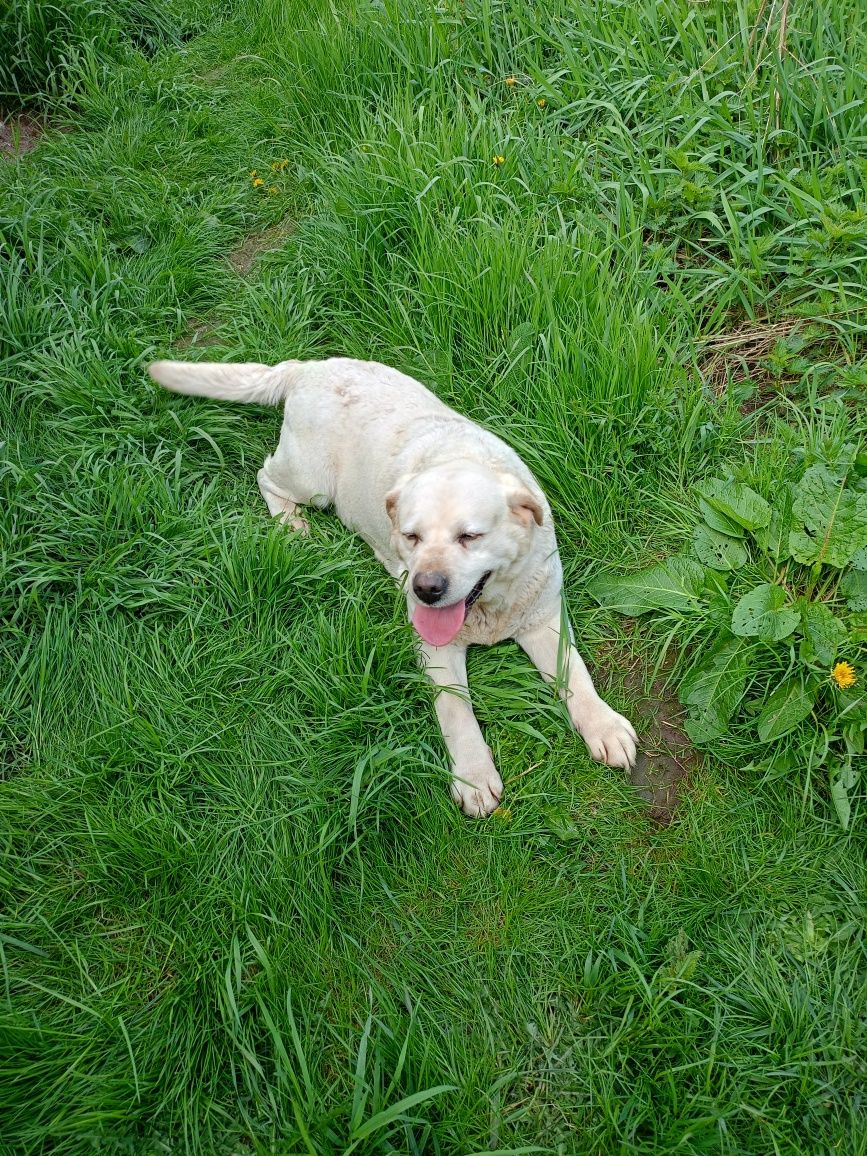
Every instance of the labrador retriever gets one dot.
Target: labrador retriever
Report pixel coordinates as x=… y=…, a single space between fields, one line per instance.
x=450 y=511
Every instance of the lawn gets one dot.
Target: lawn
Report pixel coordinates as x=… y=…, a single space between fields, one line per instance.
x=238 y=910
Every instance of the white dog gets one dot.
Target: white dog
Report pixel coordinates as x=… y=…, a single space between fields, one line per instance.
x=447 y=507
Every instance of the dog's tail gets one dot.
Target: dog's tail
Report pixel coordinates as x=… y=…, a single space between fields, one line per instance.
x=238 y=381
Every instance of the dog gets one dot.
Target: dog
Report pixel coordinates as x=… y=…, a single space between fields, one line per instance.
x=452 y=513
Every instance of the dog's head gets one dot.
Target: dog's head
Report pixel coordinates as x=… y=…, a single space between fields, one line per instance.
x=455 y=526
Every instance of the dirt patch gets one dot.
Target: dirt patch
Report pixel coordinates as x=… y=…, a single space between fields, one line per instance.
x=666 y=756
x=198 y=331
x=244 y=255
x=19 y=133
x=730 y=358
x=13 y=758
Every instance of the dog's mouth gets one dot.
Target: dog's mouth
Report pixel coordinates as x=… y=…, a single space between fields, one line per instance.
x=440 y=625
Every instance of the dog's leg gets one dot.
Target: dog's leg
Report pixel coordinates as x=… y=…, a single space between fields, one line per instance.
x=284 y=483
x=476 y=786
x=610 y=737
x=280 y=504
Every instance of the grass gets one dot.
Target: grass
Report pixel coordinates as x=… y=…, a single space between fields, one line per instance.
x=239 y=912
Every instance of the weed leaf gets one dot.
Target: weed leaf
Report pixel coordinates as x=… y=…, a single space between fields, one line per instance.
x=854 y=589
x=774 y=538
x=842 y=779
x=718 y=521
x=834 y=519
x=788 y=706
x=561 y=824
x=824 y=633
x=714 y=689
x=736 y=502
x=675 y=584
x=720 y=551
x=762 y=613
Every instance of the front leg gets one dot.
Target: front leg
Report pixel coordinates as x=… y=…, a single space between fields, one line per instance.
x=610 y=737
x=476 y=786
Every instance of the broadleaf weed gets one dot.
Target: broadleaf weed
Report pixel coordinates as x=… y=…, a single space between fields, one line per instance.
x=772 y=599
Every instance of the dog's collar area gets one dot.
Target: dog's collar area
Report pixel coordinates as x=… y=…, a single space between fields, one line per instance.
x=476 y=591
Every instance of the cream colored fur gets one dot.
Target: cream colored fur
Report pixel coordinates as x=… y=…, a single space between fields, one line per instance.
x=399 y=465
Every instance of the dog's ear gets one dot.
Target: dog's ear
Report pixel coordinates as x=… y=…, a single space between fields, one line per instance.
x=526 y=508
x=391 y=507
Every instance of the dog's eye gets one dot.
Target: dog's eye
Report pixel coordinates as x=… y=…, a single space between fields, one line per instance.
x=413 y=539
x=465 y=539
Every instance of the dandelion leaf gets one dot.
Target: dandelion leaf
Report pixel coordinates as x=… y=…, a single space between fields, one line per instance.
x=718 y=521
x=788 y=706
x=831 y=520
x=762 y=613
x=713 y=690
x=854 y=589
x=773 y=539
x=842 y=779
x=561 y=824
x=824 y=634
x=719 y=551
x=736 y=502
x=676 y=584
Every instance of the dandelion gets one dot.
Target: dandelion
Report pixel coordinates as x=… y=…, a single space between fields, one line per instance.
x=844 y=675
x=253 y=174
x=510 y=80
x=498 y=160
x=504 y=814
x=541 y=102
x=258 y=183
x=279 y=166
x=272 y=189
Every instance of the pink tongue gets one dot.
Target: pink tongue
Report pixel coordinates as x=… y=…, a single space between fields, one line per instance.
x=438 y=625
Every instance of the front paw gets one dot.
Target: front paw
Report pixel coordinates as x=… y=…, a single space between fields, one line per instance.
x=477 y=787
x=609 y=736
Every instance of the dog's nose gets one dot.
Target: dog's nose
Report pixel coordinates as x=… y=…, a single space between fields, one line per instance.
x=430 y=586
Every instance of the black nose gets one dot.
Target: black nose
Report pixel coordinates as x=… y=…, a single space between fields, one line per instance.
x=430 y=586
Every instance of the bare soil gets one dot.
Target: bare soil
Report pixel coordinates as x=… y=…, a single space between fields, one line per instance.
x=244 y=255
x=19 y=133
x=666 y=756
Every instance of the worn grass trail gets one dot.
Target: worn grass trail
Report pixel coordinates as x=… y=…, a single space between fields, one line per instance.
x=238 y=911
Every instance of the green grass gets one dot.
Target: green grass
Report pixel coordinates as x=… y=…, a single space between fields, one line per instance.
x=238 y=911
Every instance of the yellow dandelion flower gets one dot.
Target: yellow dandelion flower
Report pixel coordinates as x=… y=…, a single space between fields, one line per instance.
x=504 y=814
x=257 y=184
x=510 y=80
x=541 y=102
x=253 y=174
x=272 y=189
x=498 y=160
x=844 y=675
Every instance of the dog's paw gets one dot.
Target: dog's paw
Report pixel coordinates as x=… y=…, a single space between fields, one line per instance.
x=299 y=525
x=477 y=789
x=610 y=737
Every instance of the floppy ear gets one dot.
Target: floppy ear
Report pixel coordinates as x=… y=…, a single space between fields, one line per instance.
x=391 y=507
x=526 y=508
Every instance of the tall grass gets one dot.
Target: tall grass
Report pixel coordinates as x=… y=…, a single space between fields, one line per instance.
x=51 y=50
